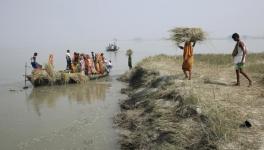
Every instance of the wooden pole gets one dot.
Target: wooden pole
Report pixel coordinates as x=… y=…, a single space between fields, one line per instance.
x=25 y=87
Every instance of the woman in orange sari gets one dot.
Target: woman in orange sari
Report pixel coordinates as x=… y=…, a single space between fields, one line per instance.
x=89 y=64
x=102 y=63
x=187 y=58
x=96 y=65
x=86 y=64
x=75 y=62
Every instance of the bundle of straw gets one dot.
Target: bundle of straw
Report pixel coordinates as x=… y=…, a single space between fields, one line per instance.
x=65 y=77
x=50 y=70
x=129 y=52
x=181 y=34
x=40 y=74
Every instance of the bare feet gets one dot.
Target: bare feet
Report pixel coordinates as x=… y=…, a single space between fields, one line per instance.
x=250 y=84
x=237 y=84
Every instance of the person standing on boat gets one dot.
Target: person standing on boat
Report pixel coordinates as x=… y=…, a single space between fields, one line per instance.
x=75 y=62
x=68 y=60
x=91 y=65
x=93 y=57
x=82 y=64
x=239 y=55
x=96 y=65
x=51 y=60
x=85 y=59
x=101 y=62
x=34 y=63
x=50 y=66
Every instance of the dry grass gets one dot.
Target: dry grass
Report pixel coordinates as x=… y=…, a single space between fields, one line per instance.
x=181 y=112
x=157 y=116
x=255 y=57
x=225 y=59
x=214 y=59
x=49 y=68
x=256 y=68
x=51 y=77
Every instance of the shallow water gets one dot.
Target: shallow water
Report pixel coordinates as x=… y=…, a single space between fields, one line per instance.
x=74 y=116
x=62 y=117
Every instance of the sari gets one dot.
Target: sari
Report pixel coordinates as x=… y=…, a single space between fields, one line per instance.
x=187 y=57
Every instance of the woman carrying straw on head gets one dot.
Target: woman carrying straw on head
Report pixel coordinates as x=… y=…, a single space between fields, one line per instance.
x=239 y=55
x=187 y=58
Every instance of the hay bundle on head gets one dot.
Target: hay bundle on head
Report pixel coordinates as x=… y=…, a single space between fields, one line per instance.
x=181 y=34
x=129 y=52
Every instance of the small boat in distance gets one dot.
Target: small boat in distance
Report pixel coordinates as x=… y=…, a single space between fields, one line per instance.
x=112 y=47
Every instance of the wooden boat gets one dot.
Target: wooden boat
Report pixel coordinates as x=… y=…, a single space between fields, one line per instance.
x=41 y=78
x=112 y=47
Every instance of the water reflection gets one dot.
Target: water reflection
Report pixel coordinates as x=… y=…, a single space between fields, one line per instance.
x=81 y=94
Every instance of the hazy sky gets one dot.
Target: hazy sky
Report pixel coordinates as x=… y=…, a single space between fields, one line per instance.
x=34 y=22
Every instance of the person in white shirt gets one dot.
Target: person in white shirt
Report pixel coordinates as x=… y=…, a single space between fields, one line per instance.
x=82 y=63
x=68 y=60
x=239 y=55
x=108 y=65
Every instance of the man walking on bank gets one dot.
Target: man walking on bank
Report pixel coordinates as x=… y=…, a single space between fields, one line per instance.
x=239 y=55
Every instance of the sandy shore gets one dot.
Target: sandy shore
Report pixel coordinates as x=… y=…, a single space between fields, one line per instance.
x=163 y=110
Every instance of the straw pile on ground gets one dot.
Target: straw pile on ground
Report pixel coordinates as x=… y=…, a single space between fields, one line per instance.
x=158 y=116
x=181 y=34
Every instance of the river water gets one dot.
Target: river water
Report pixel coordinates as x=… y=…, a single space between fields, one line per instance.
x=74 y=116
